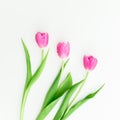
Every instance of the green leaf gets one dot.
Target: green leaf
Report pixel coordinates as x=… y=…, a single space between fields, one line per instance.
x=66 y=100
x=28 y=64
x=38 y=71
x=66 y=63
x=81 y=102
x=30 y=79
x=46 y=110
x=65 y=85
x=53 y=89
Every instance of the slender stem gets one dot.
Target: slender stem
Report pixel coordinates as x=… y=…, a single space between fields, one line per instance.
x=25 y=93
x=42 y=54
x=41 y=115
x=62 y=65
x=24 y=98
x=79 y=90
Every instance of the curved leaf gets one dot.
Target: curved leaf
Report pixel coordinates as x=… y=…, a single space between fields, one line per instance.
x=46 y=110
x=66 y=100
x=31 y=81
x=53 y=89
x=81 y=102
x=38 y=71
x=65 y=85
x=28 y=77
x=28 y=63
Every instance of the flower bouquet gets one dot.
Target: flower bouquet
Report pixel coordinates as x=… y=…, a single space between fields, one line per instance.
x=58 y=89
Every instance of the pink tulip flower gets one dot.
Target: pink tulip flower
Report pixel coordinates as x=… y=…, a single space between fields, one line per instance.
x=89 y=62
x=42 y=39
x=63 y=49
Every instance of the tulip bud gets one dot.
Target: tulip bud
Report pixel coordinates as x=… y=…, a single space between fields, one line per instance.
x=42 y=39
x=63 y=49
x=89 y=62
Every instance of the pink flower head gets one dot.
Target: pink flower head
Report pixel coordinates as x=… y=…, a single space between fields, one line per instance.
x=42 y=39
x=63 y=49
x=89 y=62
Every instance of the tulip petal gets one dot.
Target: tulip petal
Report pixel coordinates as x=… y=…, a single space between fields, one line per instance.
x=42 y=39
x=63 y=49
x=89 y=62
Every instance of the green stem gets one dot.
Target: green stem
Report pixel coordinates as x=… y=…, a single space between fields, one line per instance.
x=77 y=93
x=41 y=115
x=24 y=98
x=62 y=65
x=42 y=54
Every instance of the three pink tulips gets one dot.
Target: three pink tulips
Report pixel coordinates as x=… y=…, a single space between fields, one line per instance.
x=58 y=89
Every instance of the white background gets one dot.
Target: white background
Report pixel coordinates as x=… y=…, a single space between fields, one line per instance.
x=91 y=27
